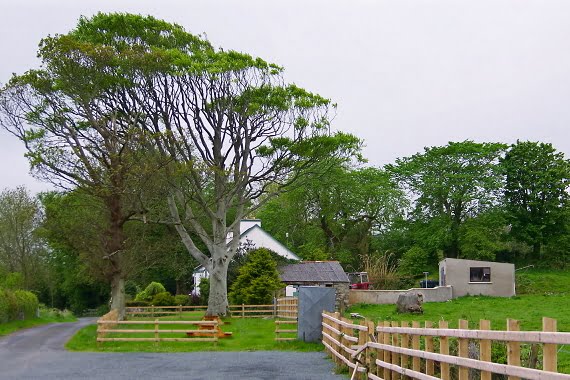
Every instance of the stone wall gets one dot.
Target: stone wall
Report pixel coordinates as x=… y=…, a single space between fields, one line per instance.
x=378 y=297
x=342 y=296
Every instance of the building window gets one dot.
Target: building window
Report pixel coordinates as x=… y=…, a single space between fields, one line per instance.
x=480 y=274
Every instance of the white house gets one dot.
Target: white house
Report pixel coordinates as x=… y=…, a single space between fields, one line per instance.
x=251 y=235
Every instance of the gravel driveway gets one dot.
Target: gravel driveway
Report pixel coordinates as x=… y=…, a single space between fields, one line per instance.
x=38 y=353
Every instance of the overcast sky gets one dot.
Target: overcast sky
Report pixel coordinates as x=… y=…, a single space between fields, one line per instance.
x=405 y=74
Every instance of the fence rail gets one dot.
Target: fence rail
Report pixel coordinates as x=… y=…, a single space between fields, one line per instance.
x=391 y=350
x=109 y=322
x=286 y=311
x=236 y=311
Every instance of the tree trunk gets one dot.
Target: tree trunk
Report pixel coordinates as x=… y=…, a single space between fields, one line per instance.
x=118 y=294
x=114 y=247
x=218 y=299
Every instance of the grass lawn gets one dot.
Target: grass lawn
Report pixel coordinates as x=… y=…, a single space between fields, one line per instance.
x=46 y=316
x=528 y=309
x=249 y=334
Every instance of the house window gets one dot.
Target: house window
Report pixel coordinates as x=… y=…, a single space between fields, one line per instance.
x=479 y=274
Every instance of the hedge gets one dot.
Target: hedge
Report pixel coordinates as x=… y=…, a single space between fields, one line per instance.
x=17 y=304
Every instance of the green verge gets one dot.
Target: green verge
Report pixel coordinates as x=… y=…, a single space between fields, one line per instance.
x=528 y=309
x=248 y=334
x=46 y=316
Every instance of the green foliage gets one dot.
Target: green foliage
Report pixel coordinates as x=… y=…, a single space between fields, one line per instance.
x=415 y=261
x=47 y=315
x=150 y=291
x=163 y=299
x=335 y=212
x=204 y=290
x=257 y=281
x=17 y=305
x=181 y=300
x=536 y=197
x=12 y=281
x=450 y=183
x=483 y=236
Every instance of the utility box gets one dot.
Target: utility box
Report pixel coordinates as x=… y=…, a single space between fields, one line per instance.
x=312 y=301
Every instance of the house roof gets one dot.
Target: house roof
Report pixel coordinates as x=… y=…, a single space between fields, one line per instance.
x=295 y=257
x=313 y=271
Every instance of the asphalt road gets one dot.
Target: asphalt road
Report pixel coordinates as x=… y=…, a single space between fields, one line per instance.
x=39 y=353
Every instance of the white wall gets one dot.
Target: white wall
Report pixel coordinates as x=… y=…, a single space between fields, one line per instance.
x=261 y=239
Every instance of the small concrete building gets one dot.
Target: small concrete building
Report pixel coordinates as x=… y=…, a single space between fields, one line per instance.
x=473 y=277
x=318 y=273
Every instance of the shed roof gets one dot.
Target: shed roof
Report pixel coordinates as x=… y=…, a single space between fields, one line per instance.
x=313 y=271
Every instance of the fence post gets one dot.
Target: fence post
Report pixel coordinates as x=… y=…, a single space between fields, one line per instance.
x=370 y=356
x=416 y=364
x=549 y=351
x=242 y=310
x=463 y=344
x=444 y=350
x=362 y=340
x=429 y=348
x=180 y=311
x=337 y=336
x=405 y=343
x=485 y=348
x=387 y=354
x=156 y=338
x=395 y=356
x=152 y=311
x=513 y=348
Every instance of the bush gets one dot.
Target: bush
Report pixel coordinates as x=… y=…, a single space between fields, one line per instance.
x=19 y=304
x=163 y=299
x=27 y=304
x=150 y=291
x=258 y=279
x=181 y=299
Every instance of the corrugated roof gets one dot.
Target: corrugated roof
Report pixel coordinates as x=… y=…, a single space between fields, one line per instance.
x=313 y=271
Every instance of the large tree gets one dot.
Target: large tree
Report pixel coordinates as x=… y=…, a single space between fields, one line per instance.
x=450 y=184
x=229 y=126
x=536 y=192
x=77 y=136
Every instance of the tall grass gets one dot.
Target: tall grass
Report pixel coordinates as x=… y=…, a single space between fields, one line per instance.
x=382 y=270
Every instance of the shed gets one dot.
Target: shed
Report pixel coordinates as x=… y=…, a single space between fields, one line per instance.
x=474 y=277
x=318 y=273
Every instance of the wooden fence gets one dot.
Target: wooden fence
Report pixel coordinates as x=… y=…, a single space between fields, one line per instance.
x=393 y=350
x=236 y=311
x=286 y=318
x=108 y=324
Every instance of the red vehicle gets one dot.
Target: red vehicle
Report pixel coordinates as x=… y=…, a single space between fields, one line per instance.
x=359 y=280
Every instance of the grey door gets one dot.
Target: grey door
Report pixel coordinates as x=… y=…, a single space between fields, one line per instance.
x=312 y=301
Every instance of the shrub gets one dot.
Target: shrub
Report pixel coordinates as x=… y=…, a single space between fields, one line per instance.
x=27 y=304
x=154 y=288
x=19 y=304
x=181 y=299
x=150 y=291
x=258 y=279
x=163 y=299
